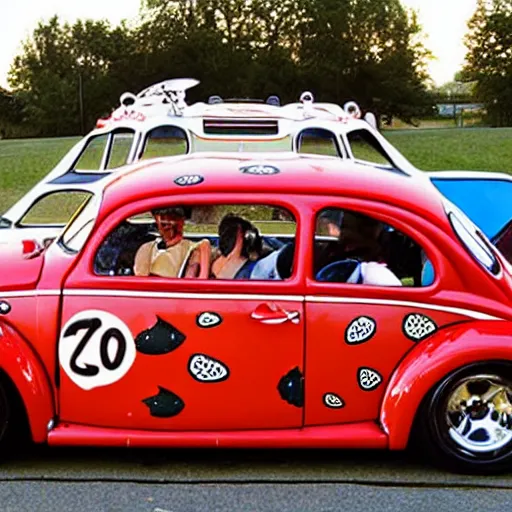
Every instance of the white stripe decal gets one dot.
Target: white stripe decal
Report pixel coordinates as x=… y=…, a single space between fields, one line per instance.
x=293 y=298
x=477 y=315
x=29 y=293
x=386 y=302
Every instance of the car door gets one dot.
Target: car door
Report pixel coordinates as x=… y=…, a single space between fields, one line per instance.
x=178 y=354
x=357 y=333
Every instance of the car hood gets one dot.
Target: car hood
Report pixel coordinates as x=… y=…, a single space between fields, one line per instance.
x=19 y=271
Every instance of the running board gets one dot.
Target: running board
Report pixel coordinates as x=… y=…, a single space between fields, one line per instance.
x=353 y=435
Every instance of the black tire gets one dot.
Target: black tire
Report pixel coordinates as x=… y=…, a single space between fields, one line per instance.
x=460 y=441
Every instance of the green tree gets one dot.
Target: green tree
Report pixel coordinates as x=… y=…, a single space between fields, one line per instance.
x=489 y=58
x=69 y=75
x=365 y=50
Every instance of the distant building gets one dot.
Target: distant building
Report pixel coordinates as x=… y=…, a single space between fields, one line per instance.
x=451 y=109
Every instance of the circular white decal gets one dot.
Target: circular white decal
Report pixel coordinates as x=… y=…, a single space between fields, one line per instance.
x=207 y=369
x=417 y=327
x=96 y=349
x=369 y=379
x=333 y=401
x=360 y=330
x=208 y=319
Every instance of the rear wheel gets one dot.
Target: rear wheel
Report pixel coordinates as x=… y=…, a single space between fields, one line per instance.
x=465 y=422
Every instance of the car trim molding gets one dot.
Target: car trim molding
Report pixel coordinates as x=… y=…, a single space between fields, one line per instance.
x=477 y=315
x=177 y=295
x=29 y=293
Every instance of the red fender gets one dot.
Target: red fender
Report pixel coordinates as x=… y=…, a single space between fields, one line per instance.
x=27 y=373
x=430 y=361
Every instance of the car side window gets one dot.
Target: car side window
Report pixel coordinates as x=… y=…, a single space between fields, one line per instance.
x=354 y=248
x=54 y=209
x=222 y=241
x=165 y=141
x=365 y=147
x=318 y=141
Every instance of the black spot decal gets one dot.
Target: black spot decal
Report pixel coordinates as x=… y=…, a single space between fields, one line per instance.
x=417 y=327
x=208 y=319
x=333 y=401
x=165 y=404
x=361 y=329
x=368 y=378
x=260 y=169
x=291 y=387
x=162 y=338
x=5 y=307
x=207 y=369
x=188 y=180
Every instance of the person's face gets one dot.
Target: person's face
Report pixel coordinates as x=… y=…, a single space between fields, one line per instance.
x=357 y=234
x=170 y=227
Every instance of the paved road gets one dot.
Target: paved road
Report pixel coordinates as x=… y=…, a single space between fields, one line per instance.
x=86 y=480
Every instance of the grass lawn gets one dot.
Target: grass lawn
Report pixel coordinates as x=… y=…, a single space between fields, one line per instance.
x=24 y=162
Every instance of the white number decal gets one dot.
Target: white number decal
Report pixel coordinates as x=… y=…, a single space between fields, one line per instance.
x=96 y=349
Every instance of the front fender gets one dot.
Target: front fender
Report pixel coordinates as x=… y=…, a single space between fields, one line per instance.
x=430 y=361
x=20 y=363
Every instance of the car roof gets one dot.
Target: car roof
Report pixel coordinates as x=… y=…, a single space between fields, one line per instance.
x=297 y=174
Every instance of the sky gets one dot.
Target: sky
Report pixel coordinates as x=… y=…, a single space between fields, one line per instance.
x=444 y=23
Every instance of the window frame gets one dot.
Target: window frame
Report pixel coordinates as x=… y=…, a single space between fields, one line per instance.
x=338 y=145
x=476 y=236
x=18 y=224
x=87 y=256
x=144 y=137
x=397 y=219
x=392 y=165
x=107 y=151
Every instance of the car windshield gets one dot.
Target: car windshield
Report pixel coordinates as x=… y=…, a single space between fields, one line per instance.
x=80 y=226
x=248 y=146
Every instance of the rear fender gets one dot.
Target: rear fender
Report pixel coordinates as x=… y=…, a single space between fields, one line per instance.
x=430 y=361
x=22 y=366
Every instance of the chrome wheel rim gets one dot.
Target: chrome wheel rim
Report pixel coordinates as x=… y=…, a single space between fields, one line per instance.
x=478 y=414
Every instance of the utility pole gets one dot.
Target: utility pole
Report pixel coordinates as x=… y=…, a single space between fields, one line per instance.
x=81 y=100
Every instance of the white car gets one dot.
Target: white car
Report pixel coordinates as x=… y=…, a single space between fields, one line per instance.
x=159 y=123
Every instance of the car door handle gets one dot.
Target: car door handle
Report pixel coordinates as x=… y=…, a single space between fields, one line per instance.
x=271 y=313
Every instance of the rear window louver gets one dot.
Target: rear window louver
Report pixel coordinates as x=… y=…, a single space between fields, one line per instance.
x=240 y=127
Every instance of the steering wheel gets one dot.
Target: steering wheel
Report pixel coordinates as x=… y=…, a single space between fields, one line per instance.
x=338 y=271
x=204 y=261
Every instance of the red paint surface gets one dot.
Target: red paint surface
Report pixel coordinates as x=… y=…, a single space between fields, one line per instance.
x=359 y=435
x=28 y=375
x=256 y=354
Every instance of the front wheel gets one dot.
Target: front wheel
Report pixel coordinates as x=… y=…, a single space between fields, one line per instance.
x=465 y=422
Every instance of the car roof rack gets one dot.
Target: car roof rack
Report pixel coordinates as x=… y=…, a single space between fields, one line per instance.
x=168 y=99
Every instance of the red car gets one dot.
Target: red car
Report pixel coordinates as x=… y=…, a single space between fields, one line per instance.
x=294 y=301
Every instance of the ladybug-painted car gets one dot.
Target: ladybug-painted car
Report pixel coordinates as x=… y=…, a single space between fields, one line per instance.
x=219 y=300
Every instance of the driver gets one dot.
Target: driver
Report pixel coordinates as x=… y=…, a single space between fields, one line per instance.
x=166 y=256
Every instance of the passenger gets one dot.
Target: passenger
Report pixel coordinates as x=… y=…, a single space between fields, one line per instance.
x=166 y=256
x=240 y=244
x=359 y=241
x=276 y=266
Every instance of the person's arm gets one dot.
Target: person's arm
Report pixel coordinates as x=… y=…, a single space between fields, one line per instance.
x=200 y=257
x=378 y=274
